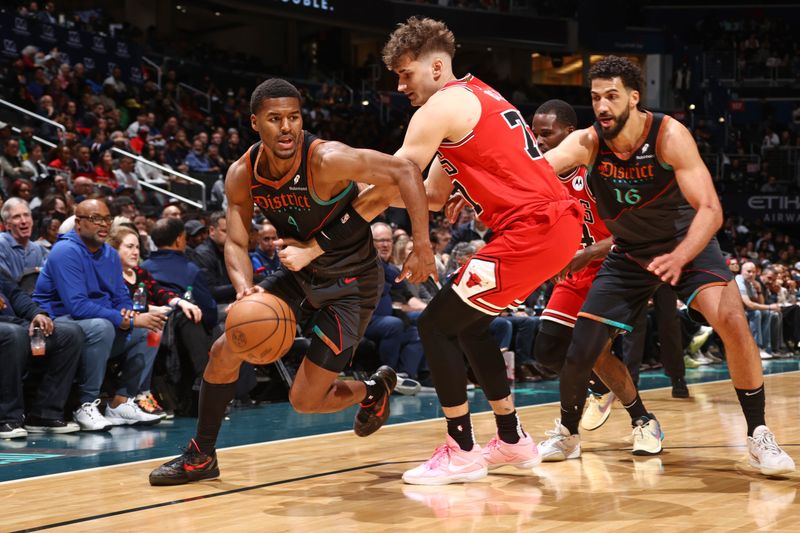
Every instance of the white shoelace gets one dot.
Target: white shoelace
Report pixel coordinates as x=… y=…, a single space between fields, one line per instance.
x=554 y=434
x=766 y=441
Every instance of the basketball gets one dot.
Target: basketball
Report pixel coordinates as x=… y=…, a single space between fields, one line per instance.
x=261 y=326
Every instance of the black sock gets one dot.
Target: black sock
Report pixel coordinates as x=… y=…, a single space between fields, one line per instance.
x=571 y=420
x=636 y=408
x=375 y=391
x=214 y=398
x=460 y=429
x=509 y=428
x=752 y=402
x=597 y=386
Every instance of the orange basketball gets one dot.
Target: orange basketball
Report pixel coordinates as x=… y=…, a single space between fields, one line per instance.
x=261 y=327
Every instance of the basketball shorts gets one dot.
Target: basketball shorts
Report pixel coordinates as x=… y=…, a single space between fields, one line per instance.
x=332 y=312
x=516 y=261
x=623 y=285
x=568 y=296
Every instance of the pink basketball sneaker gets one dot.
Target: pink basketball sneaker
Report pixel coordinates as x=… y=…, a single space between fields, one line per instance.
x=449 y=464
x=522 y=455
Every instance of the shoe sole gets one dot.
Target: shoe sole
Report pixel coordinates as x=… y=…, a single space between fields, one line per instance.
x=55 y=431
x=12 y=435
x=126 y=422
x=170 y=482
x=680 y=395
x=461 y=478
x=95 y=430
x=642 y=453
x=771 y=471
x=557 y=458
x=526 y=465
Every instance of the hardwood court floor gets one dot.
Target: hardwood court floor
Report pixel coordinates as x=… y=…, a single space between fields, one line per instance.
x=339 y=482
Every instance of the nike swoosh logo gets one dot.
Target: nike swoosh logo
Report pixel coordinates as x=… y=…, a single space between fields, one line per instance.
x=187 y=467
x=348 y=281
x=753 y=393
x=456 y=469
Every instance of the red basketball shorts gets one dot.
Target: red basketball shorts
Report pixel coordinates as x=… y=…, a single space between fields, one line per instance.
x=516 y=261
x=568 y=296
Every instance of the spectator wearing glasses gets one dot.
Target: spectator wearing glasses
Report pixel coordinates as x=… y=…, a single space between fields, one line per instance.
x=82 y=283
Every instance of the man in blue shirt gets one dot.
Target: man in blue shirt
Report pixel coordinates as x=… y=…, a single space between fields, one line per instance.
x=82 y=283
x=265 y=257
x=18 y=255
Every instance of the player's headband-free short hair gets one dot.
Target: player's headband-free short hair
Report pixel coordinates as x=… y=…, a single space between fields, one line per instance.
x=564 y=112
x=272 y=88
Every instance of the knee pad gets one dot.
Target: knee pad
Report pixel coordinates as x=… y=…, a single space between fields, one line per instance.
x=550 y=348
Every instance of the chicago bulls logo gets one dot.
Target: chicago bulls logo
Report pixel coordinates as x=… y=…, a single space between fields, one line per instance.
x=473 y=280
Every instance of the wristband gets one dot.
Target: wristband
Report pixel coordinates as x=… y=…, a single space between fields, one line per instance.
x=347 y=228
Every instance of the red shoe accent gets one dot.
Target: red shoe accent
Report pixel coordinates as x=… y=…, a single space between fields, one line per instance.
x=383 y=406
x=190 y=468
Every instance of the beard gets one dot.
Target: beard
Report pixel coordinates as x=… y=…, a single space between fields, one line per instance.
x=619 y=123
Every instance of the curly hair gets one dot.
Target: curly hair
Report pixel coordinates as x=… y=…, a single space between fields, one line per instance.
x=416 y=37
x=614 y=66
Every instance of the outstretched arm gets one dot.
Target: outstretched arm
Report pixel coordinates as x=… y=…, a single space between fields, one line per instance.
x=334 y=160
x=577 y=149
x=239 y=215
x=679 y=150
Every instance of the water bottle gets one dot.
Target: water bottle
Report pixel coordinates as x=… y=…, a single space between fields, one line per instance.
x=188 y=294
x=140 y=299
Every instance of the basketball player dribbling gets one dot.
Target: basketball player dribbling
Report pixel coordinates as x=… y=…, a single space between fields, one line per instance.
x=656 y=197
x=552 y=122
x=485 y=151
x=299 y=182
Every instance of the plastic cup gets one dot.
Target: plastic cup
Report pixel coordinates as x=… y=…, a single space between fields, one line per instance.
x=153 y=338
x=37 y=342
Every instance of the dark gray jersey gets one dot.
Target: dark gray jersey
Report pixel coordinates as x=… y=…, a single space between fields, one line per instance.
x=638 y=197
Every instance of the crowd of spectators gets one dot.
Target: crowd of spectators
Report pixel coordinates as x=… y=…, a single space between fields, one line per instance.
x=82 y=232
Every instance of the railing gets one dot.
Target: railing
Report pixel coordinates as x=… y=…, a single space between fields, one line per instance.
x=35 y=138
x=181 y=175
x=34 y=115
x=156 y=67
x=196 y=91
x=201 y=204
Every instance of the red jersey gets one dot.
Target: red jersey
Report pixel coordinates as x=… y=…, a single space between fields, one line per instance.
x=594 y=230
x=497 y=166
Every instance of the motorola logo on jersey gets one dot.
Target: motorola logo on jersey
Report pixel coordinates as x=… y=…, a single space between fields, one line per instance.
x=578 y=183
x=280 y=201
x=607 y=169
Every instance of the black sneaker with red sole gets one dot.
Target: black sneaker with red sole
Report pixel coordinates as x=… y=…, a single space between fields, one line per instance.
x=193 y=465
x=370 y=418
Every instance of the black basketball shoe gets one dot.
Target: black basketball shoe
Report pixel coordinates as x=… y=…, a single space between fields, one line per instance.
x=679 y=388
x=193 y=465
x=375 y=411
